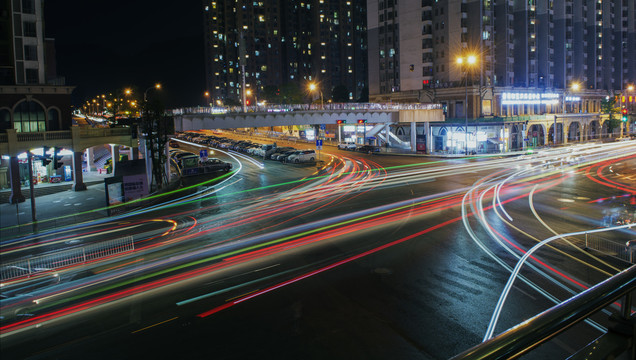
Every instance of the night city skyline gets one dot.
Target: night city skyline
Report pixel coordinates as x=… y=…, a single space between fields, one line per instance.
x=318 y=179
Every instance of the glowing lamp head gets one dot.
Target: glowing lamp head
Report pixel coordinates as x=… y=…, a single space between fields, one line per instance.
x=471 y=59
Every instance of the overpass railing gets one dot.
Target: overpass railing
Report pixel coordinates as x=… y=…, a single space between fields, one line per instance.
x=306 y=107
x=522 y=338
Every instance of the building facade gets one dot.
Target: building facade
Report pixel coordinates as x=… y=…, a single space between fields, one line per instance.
x=280 y=42
x=31 y=97
x=532 y=57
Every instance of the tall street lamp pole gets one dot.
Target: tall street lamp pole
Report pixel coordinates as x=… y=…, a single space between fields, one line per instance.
x=464 y=63
x=313 y=87
x=156 y=86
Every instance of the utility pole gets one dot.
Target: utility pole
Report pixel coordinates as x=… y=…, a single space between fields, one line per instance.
x=30 y=164
x=242 y=62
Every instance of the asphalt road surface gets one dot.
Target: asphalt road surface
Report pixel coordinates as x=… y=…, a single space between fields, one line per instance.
x=360 y=257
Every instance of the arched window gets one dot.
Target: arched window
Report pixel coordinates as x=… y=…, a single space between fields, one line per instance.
x=5 y=120
x=29 y=117
x=54 y=120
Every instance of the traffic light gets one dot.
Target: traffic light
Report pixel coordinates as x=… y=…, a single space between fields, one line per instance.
x=57 y=159
x=45 y=156
x=624 y=117
x=341 y=122
x=362 y=121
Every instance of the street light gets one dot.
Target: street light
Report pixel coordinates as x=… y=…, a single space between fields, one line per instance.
x=156 y=86
x=313 y=87
x=249 y=93
x=464 y=63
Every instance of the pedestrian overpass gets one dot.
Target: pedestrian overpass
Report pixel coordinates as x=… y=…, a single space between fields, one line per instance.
x=380 y=116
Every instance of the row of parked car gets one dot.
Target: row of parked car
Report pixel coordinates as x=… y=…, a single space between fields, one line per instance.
x=264 y=151
x=290 y=154
x=361 y=148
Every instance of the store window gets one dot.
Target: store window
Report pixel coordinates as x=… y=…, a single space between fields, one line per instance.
x=54 y=120
x=29 y=117
x=5 y=120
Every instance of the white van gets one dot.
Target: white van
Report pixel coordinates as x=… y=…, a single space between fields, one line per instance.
x=308 y=155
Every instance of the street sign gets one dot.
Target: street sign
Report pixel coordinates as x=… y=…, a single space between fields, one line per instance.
x=371 y=138
x=322 y=127
x=203 y=154
x=318 y=143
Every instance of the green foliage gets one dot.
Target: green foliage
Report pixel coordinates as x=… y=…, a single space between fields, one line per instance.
x=340 y=94
x=271 y=94
x=290 y=93
x=157 y=125
x=232 y=102
x=364 y=96
x=609 y=107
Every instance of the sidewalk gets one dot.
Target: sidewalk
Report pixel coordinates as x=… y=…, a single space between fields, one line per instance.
x=55 y=205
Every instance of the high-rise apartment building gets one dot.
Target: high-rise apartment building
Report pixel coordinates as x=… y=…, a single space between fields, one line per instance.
x=527 y=46
x=279 y=42
x=32 y=98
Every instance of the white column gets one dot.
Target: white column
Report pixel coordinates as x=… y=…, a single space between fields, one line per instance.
x=90 y=165
x=114 y=155
x=167 y=165
x=387 y=136
x=429 y=138
x=413 y=136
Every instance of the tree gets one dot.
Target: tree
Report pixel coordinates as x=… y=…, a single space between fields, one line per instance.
x=608 y=106
x=340 y=94
x=290 y=94
x=156 y=125
x=364 y=96
x=271 y=94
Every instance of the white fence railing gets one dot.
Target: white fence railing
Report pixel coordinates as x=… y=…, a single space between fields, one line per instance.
x=27 y=267
x=610 y=248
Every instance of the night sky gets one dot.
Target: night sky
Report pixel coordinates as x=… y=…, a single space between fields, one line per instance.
x=106 y=46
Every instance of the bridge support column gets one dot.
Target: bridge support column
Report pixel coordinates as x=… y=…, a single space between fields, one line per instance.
x=114 y=150
x=413 y=136
x=78 y=177
x=167 y=164
x=427 y=137
x=16 y=187
x=387 y=135
x=90 y=161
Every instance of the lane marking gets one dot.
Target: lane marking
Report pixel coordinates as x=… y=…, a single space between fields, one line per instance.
x=159 y=323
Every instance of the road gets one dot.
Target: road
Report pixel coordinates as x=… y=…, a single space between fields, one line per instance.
x=369 y=257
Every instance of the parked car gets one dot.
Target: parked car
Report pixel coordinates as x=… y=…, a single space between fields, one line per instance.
x=214 y=164
x=347 y=146
x=284 y=157
x=368 y=149
x=302 y=156
x=279 y=151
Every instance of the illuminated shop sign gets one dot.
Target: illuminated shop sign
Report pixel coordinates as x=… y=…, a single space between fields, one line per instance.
x=529 y=98
x=572 y=98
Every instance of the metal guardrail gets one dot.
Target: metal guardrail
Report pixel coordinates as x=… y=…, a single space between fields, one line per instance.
x=522 y=339
x=610 y=248
x=306 y=107
x=31 y=266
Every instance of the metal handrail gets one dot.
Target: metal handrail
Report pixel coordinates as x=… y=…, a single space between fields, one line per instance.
x=531 y=333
